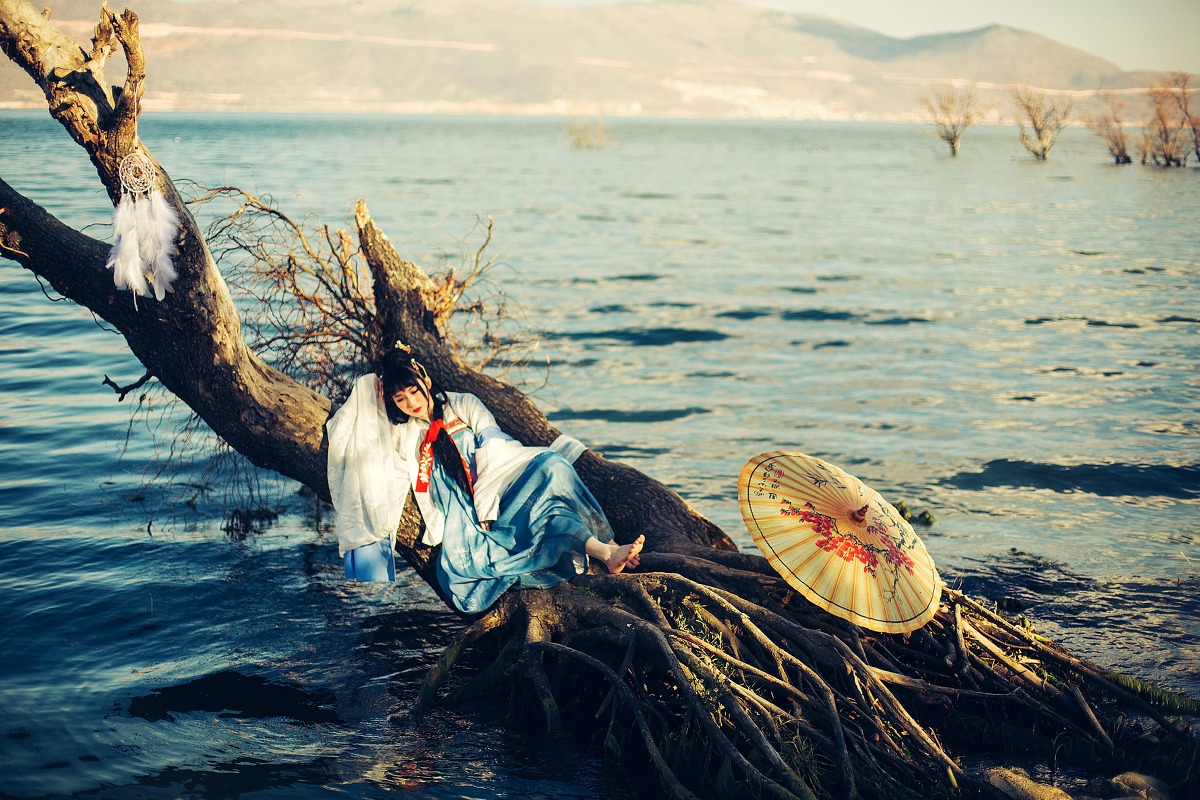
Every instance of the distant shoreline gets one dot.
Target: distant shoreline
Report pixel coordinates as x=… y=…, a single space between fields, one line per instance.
x=467 y=110
x=154 y=110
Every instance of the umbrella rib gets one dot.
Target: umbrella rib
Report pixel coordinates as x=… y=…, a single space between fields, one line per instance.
x=802 y=512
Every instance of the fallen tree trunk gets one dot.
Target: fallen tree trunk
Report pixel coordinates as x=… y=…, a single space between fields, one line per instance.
x=702 y=664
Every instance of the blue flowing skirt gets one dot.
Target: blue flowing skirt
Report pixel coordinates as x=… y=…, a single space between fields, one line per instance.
x=546 y=517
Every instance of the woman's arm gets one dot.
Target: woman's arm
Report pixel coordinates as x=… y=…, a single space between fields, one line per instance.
x=368 y=495
x=499 y=458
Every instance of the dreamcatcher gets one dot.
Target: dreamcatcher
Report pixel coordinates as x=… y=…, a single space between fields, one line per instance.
x=145 y=226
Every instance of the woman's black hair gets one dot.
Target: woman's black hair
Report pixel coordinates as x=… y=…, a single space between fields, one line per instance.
x=398 y=371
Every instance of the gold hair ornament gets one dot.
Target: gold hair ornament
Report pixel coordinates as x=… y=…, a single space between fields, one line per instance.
x=417 y=366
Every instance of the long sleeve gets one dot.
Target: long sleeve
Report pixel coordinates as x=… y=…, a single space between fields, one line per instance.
x=499 y=458
x=367 y=489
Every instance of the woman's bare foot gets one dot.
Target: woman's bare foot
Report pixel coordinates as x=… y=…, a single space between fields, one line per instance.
x=620 y=556
x=616 y=557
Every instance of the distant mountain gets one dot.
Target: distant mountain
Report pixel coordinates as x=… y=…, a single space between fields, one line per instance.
x=671 y=58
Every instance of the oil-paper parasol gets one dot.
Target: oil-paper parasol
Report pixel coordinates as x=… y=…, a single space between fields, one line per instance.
x=838 y=543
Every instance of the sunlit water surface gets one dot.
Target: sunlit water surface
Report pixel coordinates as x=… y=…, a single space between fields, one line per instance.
x=1010 y=345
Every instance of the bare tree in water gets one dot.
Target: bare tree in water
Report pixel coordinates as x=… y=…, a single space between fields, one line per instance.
x=1045 y=117
x=1180 y=82
x=1171 y=131
x=1110 y=127
x=953 y=109
x=701 y=668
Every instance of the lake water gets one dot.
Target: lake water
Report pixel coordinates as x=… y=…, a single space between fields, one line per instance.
x=1008 y=344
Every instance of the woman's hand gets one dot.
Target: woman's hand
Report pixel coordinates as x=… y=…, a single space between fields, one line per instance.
x=486 y=524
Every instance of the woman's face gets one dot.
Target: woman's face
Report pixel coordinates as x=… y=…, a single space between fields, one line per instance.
x=413 y=401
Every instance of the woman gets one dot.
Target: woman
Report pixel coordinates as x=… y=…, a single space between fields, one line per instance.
x=503 y=513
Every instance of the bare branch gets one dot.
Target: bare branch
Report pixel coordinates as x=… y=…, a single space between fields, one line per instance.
x=122 y=391
x=1109 y=126
x=128 y=109
x=1170 y=124
x=1045 y=115
x=952 y=110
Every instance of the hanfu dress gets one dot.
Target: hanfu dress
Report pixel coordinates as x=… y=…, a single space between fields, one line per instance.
x=546 y=517
x=542 y=514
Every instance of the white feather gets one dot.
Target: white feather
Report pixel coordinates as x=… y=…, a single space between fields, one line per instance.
x=145 y=228
x=164 y=223
x=120 y=223
x=125 y=258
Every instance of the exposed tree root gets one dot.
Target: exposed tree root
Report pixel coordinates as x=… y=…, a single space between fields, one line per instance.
x=498 y=617
x=723 y=696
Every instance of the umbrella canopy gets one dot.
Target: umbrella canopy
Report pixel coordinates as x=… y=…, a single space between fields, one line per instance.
x=837 y=542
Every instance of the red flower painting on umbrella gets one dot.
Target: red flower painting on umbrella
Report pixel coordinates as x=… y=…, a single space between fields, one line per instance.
x=838 y=542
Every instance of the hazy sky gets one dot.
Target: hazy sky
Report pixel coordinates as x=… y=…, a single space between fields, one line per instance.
x=1133 y=34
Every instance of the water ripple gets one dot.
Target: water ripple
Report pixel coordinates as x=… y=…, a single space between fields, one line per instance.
x=1109 y=480
x=651 y=337
x=615 y=415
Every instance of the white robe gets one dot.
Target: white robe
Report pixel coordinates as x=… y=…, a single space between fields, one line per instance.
x=373 y=464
